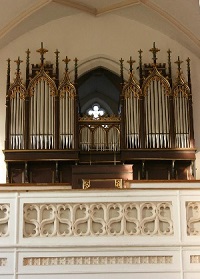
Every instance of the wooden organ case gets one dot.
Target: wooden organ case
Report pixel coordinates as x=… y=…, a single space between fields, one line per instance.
x=48 y=139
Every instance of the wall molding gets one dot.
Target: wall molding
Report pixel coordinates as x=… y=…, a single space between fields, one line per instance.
x=96 y=260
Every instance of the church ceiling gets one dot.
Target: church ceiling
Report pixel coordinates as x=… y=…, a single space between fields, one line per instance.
x=179 y=19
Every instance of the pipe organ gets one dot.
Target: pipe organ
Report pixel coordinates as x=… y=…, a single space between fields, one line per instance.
x=47 y=134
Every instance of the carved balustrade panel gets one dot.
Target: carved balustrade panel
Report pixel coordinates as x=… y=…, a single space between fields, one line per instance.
x=99 y=219
x=3 y=261
x=4 y=219
x=193 y=218
x=195 y=259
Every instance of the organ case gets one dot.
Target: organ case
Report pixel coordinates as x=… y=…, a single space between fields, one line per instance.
x=46 y=135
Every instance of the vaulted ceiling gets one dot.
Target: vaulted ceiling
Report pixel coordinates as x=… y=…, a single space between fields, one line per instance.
x=179 y=19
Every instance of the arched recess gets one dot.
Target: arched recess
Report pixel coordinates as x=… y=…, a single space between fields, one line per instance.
x=92 y=69
x=102 y=86
x=107 y=62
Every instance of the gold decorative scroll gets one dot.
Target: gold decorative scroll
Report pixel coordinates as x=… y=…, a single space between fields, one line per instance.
x=66 y=87
x=17 y=87
x=42 y=75
x=87 y=183
x=181 y=86
x=100 y=118
x=156 y=76
x=131 y=87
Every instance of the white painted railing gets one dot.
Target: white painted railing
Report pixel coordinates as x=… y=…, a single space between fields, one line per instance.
x=149 y=231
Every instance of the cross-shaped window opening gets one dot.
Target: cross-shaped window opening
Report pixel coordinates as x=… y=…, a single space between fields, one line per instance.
x=96 y=111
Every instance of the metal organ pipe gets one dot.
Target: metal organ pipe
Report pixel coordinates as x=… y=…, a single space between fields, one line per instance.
x=86 y=138
x=17 y=120
x=18 y=123
x=132 y=116
x=99 y=138
x=72 y=122
x=67 y=116
x=181 y=115
x=12 y=124
x=149 y=100
x=48 y=116
x=41 y=105
x=69 y=122
x=157 y=115
x=186 y=109
x=41 y=116
x=61 y=124
x=113 y=139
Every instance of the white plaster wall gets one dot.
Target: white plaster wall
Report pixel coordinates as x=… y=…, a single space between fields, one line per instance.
x=103 y=40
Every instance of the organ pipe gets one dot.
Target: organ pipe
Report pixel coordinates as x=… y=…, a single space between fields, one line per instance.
x=156 y=90
x=154 y=113
x=131 y=93
x=17 y=93
x=181 y=93
x=67 y=93
x=42 y=92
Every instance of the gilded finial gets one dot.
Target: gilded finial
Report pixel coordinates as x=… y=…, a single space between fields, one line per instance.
x=76 y=60
x=131 y=61
x=57 y=52
x=140 y=53
x=188 y=60
x=8 y=74
x=179 y=62
x=27 y=56
x=18 y=62
x=140 y=56
x=188 y=64
x=140 y=66
x=122 y=71
x=169 y=66
x=121 y=64
x=27 y=66
x=121 y=61
x=28 y=52
x=66 y=60
x=42 y=51
x=75 y=70
x=154 y=50
x=169 y=52
x=188 y=72
x=169 y=55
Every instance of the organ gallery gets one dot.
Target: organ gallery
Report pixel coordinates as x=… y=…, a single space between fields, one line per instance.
x=101 y=125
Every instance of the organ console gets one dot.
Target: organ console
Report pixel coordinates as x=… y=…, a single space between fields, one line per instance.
x=48 y=133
